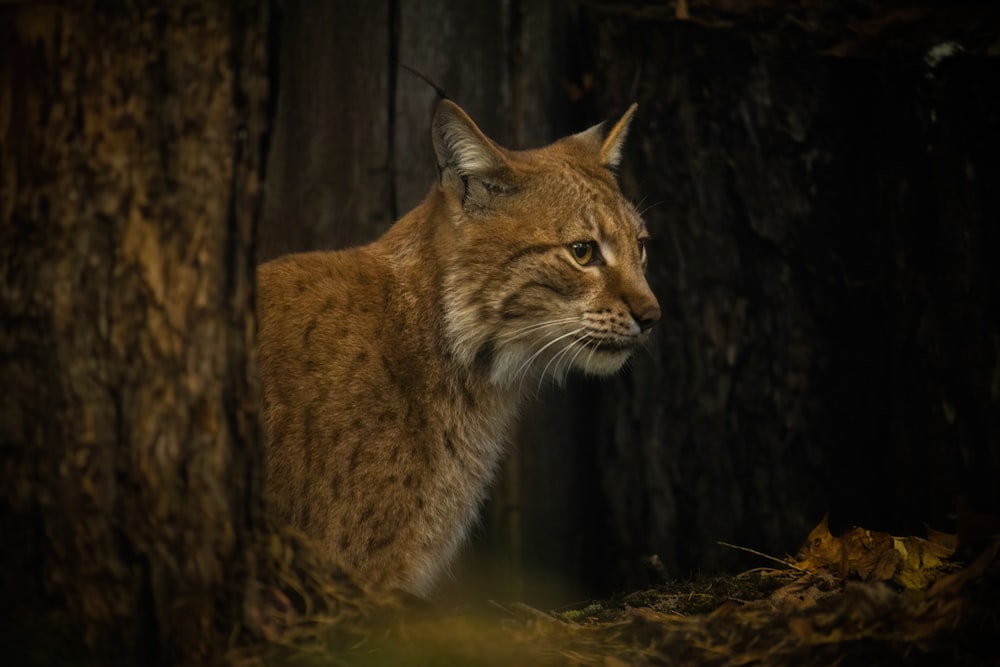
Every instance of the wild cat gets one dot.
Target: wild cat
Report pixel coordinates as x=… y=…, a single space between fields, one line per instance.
x=391 y=372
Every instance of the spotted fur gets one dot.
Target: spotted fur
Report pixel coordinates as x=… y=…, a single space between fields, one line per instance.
x=392 y=372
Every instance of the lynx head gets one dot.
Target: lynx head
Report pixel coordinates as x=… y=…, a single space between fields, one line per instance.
x=543 y=256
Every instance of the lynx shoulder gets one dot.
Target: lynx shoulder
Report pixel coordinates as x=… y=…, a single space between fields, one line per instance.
x=392 y=372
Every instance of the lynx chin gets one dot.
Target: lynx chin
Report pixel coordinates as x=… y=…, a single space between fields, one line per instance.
x=392 y=372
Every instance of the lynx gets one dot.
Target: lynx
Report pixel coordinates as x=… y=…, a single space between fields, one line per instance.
x=392 y=372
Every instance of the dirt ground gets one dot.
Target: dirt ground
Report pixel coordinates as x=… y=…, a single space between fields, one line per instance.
x=862 y=598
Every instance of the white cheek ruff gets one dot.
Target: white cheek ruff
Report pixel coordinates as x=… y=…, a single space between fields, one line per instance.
x=464 y=328
x=506 y=362
x=554 y=357
x=594 y=343
x=603 y=363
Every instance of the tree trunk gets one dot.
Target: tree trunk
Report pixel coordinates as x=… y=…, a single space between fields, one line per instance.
x=129 y=144
x=825 y=198
x=329 y=158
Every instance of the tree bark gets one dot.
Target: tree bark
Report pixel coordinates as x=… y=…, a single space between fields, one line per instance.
x=824 y=199
x=130 y=150
x=329 y=158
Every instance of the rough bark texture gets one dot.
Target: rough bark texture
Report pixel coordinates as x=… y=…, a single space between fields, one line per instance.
x=825 y=228
x=129 y=144
x=329 y=160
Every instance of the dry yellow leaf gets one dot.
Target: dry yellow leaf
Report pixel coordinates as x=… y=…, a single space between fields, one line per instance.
x=912 y=562
x=920 y=561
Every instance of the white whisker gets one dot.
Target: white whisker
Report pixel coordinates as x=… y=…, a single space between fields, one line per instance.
x=526 y=366
x=642 y=210
x=584 y=344
x=592 y=350
x=517 y=333
x=541 y=377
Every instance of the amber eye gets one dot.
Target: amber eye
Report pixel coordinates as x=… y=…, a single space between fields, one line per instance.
x=583 y=252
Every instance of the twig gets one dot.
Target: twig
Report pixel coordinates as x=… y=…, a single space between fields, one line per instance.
x=786 y=563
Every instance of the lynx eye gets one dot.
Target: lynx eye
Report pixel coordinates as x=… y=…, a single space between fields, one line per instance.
x=642 y=247
x=584 y=252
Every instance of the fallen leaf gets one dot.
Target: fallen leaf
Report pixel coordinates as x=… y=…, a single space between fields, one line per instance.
x=912 y=562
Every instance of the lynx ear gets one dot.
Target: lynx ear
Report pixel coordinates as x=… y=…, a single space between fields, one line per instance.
x=470 y=165
x=611 y=145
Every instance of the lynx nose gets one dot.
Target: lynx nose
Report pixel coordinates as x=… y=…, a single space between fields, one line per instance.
x=647 y=314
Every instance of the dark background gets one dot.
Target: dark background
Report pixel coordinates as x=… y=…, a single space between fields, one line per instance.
x=822 y=178
x=824 y=192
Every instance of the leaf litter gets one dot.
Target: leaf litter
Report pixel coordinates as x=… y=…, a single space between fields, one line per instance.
x=863 y=597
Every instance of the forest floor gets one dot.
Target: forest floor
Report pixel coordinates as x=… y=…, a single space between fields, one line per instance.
x=863 y=598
